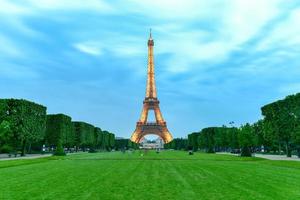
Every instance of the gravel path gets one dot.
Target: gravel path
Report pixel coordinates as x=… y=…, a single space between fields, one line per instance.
x=266 y=156
x=28 y=156
x=276 y=157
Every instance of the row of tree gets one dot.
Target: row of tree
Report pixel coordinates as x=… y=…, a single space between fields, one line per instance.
x=277 y=132
x=61 y=130
x=230 y=139
x=177 y=144
x=281 y=124
x=125 y=144
x=25 y=126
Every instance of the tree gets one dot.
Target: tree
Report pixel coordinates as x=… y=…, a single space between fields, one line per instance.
x=207 y=138
x=59 y=130
x=27 y=122
x=258 y=131
x=111 y=140
x=84 y=135
x=5 y=137
x=233 y=139
x=294 y=113
x=246 y=139
x=98 y=138
x=193 y=141
x=280 y=121
x=221 y=138
x=107 y=139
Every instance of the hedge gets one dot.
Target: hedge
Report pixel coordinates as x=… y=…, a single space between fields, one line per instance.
x=84 y=135
x=27 y=122
x=59 y=128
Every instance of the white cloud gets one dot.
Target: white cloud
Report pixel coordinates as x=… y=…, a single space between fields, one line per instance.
x=236 y=22
x=96 y=5
x=244 y=19
x=89 y=48
x=7 y=7
x=124 y=50
x=8 y=47
x=117 y=44
x=286 y=33
x=37 y=7
x=175 y=24
x=174 y=9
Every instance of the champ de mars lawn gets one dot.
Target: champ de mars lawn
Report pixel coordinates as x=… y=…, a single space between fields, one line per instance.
x=166 y=175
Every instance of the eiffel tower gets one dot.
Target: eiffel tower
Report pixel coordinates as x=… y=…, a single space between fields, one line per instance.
x=159 y=127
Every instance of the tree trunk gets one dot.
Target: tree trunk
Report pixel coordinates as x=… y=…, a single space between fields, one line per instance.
x=23 y=147
x=279 y=148
x=29 y=148
x=288 y=150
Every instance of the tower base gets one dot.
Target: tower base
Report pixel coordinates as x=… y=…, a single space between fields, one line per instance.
x=159 y=129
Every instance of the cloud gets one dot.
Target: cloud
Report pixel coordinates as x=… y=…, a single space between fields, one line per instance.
x=9 y=8
x=35 y=6
x=285 y=33
x=244 y=19
x=88 y=48
x=174 y=10
x=225 y=58
x=198 y=34
x=96 y=5
x=8 y=47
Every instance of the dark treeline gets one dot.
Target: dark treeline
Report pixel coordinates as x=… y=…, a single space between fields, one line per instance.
x=26 y=127
x=177 y=144
x=278 y=132
x=125 y=144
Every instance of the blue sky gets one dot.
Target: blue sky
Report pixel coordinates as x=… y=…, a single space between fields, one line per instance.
x=216 y=61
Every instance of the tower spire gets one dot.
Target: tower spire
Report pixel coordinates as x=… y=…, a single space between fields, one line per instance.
x=151 y=88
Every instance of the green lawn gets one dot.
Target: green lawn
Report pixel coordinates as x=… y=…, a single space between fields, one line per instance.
x=168 y=175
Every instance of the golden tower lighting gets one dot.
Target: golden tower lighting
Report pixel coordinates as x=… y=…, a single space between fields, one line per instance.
x=159 y=127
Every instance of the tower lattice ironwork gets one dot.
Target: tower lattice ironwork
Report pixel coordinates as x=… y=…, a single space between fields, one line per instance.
x=143 y=127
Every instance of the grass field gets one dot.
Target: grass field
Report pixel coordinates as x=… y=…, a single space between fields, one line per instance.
x=167 y=175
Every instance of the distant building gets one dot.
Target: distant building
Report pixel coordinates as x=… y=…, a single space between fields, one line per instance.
x=120 y=138
x=152 y=144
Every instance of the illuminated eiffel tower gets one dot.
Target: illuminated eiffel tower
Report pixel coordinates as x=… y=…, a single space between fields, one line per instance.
x=159 y=127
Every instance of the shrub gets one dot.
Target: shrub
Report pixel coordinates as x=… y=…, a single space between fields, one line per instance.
x=92 y=150
x=59 y=150
x=6 y=149
x=245 y=152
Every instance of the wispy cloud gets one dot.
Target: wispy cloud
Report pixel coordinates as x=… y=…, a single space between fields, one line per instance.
x=215 y=61
x=94 y=5
x=88 y=48
x=8 y=47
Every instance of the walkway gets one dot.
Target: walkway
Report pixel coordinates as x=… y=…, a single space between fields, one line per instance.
x=266 y=156
x=276 y=157
x=28 y=156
